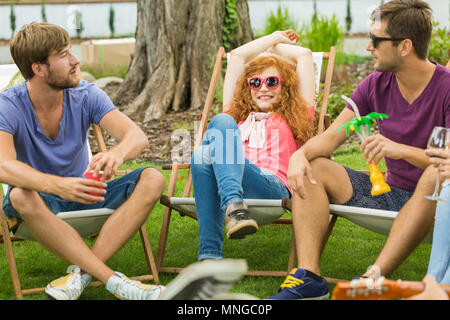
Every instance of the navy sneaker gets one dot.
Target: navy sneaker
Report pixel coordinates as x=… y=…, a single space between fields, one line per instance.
x=360 y=278
x=302 y=284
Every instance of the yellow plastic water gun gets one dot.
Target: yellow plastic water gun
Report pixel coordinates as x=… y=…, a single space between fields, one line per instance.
x=362 y=127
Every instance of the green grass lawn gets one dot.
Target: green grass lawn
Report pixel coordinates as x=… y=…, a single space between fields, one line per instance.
x=350 y=250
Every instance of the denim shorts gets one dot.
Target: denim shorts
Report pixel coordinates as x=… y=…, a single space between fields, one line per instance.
x=117 y=192
x=392 y=201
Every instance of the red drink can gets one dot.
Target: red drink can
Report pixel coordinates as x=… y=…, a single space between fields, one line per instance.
x=90 y=175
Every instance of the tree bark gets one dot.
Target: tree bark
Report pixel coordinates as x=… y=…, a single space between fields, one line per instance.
x=176 y=44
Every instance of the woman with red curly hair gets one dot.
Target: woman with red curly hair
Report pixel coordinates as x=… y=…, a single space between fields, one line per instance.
x=268 y=100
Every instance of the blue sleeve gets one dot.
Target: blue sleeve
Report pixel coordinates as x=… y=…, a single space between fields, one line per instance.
x=98 y=104
x=8 y=115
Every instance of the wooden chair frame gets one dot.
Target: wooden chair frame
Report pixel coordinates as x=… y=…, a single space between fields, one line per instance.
x=323 y=122
x=9 y=224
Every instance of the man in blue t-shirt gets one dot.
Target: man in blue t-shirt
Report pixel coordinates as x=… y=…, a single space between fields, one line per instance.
x=43 y=141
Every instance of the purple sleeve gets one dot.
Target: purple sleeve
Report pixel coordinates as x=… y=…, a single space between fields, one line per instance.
x=447 y=111
x=361 y=97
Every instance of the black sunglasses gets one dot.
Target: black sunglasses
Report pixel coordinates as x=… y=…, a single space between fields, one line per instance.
x=376 y=40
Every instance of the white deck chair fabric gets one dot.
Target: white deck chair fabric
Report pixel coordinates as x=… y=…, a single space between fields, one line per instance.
x=86 y=222
x=317 y=60
x=379 y=221
x=263 y=211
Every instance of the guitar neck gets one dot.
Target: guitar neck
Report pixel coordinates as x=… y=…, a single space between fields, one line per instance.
x=406 y=289
x=388 y=289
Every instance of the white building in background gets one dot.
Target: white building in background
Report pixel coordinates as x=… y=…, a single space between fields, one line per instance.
x=95 y=16
x=302 y=11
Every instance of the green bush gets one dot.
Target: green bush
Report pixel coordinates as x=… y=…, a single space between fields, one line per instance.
x=12 y=19
x=348 y=17
x=281 y=19
x=350 y=58
x=112 y=14
x=43 y=14
x=321 y=33
x=79 y=23
x=335 y=102
x=439 y=49
x=229 y=24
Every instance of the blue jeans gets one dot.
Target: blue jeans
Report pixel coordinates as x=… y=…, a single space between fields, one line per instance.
x=222 y=175
x=117 y=192
x=439 y=265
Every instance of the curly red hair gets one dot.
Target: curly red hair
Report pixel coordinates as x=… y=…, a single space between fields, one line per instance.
x=291 y=106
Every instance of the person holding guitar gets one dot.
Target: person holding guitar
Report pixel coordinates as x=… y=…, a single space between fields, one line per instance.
x=432 y=290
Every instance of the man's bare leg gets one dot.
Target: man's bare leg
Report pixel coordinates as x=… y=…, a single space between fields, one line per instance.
x=310 y=216
x=410 y=227
x=56 y=235
x=131 y=215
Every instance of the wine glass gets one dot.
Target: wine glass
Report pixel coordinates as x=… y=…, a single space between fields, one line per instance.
x=438 y=139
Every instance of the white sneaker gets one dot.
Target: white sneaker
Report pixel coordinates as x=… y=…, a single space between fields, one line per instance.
x=69 y=287
x=127 y=289
x=205 y=280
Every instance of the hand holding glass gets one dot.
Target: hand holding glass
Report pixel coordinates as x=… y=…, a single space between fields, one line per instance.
x=439 y=139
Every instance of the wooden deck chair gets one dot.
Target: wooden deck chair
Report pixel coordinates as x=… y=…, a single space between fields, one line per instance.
x=379 y=221
x=262 y=210
x=86 y=222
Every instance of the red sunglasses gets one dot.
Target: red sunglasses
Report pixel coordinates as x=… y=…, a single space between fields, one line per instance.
x=272 y=82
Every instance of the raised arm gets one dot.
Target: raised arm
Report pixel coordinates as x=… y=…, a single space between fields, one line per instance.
x=305 y=67
x=243 y=54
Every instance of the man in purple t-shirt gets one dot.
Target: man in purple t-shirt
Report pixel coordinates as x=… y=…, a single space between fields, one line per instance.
x=43 y=128
x=415 y=94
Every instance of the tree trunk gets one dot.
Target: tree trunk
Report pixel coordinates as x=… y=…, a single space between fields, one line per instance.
x=176 y=44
